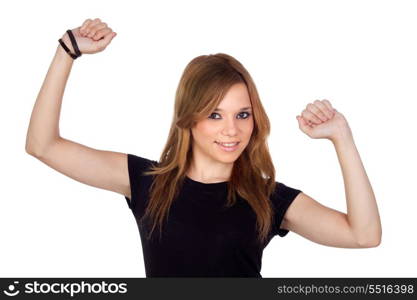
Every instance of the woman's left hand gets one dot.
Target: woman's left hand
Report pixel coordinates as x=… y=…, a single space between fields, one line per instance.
x=321 y=121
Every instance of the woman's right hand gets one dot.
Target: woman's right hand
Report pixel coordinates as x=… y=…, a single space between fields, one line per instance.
x=91 y=37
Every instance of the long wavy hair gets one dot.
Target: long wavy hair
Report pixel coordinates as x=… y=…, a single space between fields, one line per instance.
x=202 y=86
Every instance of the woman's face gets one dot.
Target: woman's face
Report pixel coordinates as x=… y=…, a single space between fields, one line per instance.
x=231 y=122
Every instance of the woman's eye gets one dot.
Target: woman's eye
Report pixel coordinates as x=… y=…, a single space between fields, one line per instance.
x=247 y=115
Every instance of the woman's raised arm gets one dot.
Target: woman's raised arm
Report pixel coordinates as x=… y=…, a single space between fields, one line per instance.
x=102 y=169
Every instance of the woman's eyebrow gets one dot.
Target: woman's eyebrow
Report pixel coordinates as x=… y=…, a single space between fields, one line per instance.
x=243 y=108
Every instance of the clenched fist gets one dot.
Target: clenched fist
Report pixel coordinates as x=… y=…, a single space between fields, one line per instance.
x=92 y=37
x=319 y=120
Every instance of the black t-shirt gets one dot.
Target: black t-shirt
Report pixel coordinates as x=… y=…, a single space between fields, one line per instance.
x=202 y=237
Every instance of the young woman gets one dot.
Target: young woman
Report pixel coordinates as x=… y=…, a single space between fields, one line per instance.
x=212 y=195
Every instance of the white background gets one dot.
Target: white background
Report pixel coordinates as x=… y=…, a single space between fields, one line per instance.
x=360 y=55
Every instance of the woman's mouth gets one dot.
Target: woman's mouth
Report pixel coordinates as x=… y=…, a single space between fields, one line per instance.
x=228 y=147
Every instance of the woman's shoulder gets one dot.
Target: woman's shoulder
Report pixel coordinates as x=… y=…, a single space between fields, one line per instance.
x=139 y=162
x=285 y=191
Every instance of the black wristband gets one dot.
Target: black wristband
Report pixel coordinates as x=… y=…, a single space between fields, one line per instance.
x=66 y=49
x=74 y=45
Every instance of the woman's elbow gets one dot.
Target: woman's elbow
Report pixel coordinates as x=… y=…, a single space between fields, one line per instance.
x=371 y=243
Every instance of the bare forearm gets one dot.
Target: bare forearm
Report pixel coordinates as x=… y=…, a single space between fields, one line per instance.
x=44 y=122
x=362 y=209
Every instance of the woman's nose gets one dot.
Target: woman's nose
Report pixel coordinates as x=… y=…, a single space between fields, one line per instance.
x=230 y=127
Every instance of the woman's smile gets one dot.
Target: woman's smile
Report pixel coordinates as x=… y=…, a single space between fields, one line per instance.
x=228 y=147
